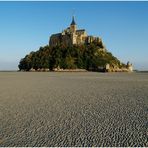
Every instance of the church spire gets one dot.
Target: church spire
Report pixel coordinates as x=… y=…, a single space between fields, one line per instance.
x=73 y=21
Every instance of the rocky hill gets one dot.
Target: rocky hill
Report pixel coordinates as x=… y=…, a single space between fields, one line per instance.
x=91 y=57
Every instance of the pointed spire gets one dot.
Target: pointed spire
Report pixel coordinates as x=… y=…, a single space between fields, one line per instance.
x=73 y=21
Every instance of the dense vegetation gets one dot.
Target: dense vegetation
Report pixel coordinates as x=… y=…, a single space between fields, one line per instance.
x=89 y=57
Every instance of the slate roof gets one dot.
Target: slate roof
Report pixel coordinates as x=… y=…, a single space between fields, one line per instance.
x=73 y=21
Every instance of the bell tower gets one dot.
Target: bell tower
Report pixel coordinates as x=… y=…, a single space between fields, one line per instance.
x=73 y=26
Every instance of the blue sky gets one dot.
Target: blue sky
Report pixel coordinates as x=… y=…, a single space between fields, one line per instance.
x=25 y=26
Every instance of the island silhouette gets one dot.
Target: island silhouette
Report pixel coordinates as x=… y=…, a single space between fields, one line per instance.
x=73 y=50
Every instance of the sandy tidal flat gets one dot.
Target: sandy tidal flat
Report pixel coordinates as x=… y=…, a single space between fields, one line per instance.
x=73 y=109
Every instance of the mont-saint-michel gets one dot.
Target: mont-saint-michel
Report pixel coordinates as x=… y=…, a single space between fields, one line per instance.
x=82 y=100
x=73 y=50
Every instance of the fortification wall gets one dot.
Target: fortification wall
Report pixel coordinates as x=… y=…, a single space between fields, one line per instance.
x=55 y=39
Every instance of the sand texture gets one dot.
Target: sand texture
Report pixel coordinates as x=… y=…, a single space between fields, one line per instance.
x=73 y=109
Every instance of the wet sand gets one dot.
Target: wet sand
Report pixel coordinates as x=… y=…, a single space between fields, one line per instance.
x=73 y=109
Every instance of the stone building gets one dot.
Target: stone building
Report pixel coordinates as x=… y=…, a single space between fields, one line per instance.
x=72 y=36
x=129 y=66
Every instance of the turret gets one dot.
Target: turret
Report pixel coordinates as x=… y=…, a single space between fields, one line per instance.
x=73 y=26
x=129 y=66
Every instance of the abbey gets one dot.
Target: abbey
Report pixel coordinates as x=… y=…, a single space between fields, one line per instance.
x=72 y=36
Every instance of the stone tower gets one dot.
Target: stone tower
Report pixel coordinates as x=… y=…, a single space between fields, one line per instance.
x=129 y=66
x=73 y=26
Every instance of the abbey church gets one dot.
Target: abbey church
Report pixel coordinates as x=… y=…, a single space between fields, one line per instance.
x=72 y=36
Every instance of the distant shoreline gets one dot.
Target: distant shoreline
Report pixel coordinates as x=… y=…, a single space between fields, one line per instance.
x=8 y=70
x=144 y=71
